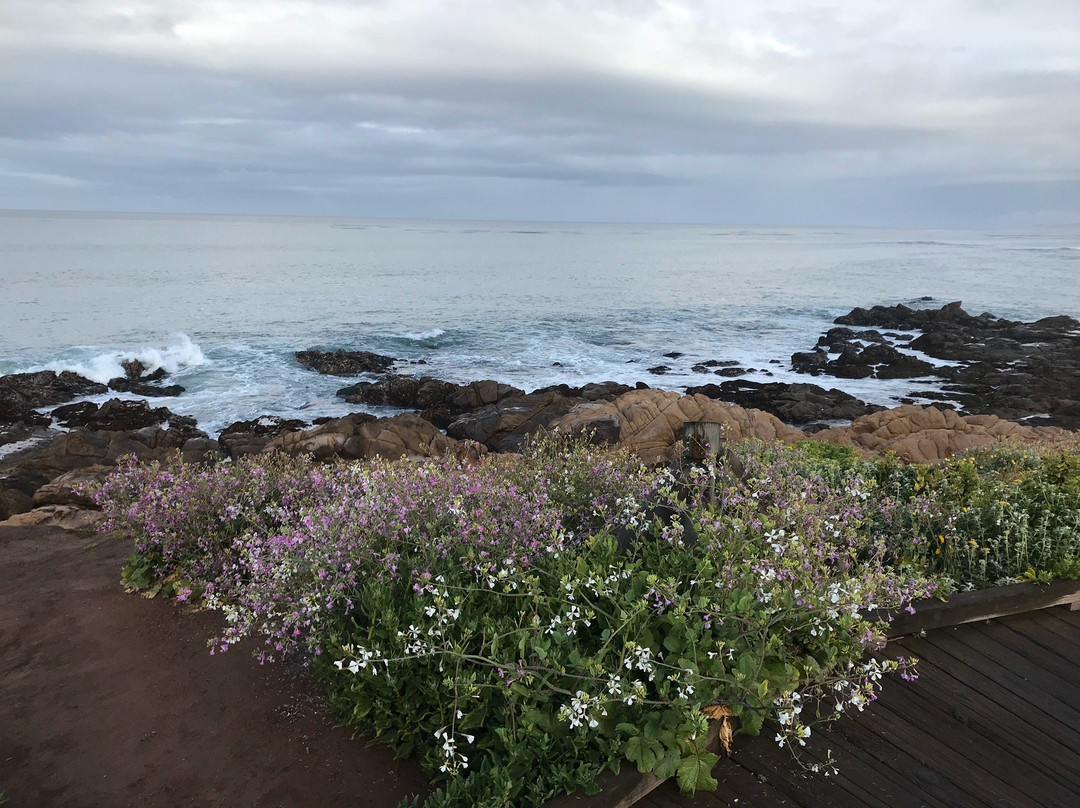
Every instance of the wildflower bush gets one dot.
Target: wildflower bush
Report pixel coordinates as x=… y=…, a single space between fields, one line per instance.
x=986 y=517
x=525 y=624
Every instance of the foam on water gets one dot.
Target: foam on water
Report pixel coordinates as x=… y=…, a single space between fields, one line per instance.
x=180 y=355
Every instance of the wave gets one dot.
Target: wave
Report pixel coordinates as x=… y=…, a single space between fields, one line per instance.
x=181 y=354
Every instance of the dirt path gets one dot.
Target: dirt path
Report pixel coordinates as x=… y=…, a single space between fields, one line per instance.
x=109 y=699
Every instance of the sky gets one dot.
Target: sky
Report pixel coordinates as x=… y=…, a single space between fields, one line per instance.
x=924 y=113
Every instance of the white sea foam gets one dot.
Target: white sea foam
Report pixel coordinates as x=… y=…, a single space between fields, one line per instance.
x=181 y=354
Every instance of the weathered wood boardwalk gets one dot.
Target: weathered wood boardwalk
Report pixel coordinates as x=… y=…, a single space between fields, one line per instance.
x=993 y=720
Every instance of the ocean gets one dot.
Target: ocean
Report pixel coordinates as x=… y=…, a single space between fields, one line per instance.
x=222 y=302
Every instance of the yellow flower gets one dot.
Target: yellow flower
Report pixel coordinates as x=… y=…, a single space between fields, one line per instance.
x=941 y=539
x=937 y=551
x=974 y=543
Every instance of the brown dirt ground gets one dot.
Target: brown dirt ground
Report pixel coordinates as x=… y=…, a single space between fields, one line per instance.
x=109 y=699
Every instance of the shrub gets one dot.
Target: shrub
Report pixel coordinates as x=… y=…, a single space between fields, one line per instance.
x=487 y=620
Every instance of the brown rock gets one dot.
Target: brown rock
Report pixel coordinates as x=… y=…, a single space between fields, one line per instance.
x=650 y=421
x=68 y=488
x=67 y=517
x=405 y=435
x=928 y=434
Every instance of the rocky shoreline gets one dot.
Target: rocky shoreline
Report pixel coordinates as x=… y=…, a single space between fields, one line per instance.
x=1002 y=379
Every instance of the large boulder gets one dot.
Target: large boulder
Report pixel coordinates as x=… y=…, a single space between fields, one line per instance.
x=929 y=434
x=438 y=401
x=345 y=363
x=364 y=437
x=71 y=488
x=791 y=403
x=649 y=422
x=116 y=415
x=251 y=437
x=506 y=425
x=44 y=388
x=323 y=441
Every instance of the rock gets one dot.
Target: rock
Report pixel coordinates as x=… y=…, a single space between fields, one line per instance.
x=42 y=389
x=791 y=403
x=114 y=415
x=68 y=517
x=345 y=363
x=439 y=402
x=138 y=388
x=594 y=391
x=70 y=488
x=674 y=354
x=650 y=421
x=506 y=425
x=659 y=370
x=324 y=441
x=731 y=372
x=930 y=434
x=201 y=450
x=133 y=369
x=1015 y=370
x=813 y=362
x=251 y=437
x=406 y=435
x=13 y=501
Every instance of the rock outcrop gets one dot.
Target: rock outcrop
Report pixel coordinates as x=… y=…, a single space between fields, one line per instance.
x=928 y=434
x=361 y=436
x=508 y=424
x=1015 y=370
x=251 y=437
x=345 y=363
x=792 y=403
x=438 y=401
x=649 y=422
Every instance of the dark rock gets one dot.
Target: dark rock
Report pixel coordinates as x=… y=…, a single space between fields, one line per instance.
x=594 y=391
x=1014 y=370
x=201 y=450
x=139 y=388
x=659 y=370
x=133 y=369
x=731 y=373
x=508 y=424
x=791 y=403
x=21 y=393
x=674 y=354
x=115 y=415
x=641 y=386
x=813 y=362
x=250 y=437
x=345 y=363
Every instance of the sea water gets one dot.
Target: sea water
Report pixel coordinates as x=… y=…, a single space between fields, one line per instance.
x=222 y=302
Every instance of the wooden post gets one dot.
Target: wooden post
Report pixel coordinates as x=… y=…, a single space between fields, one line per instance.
x=703 y=439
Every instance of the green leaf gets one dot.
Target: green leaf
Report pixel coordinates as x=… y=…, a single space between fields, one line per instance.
x=667 y=765
x=643 y=751
x=695 y=773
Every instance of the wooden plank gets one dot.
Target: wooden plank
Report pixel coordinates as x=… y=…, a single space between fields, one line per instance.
x=775 y=765
x=1035 y=687
x=1005 y=725
x=975 y=682
x=1021 y=704
x=1001 y=761
x=980 y=783
x=858 y=766
x=1051 y=621
x=877 y=739
x=1066 y=617
x=1042 y=640
x=984 y=604
x=1005 y=644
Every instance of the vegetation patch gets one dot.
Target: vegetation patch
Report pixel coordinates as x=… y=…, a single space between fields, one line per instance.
x=527 y=623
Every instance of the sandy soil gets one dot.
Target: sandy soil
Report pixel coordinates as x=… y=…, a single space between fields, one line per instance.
x=108 y=699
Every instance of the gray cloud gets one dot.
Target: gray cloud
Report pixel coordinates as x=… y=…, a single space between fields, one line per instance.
x=931 y=113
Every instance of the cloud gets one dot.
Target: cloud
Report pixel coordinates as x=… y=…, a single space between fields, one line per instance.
x=607 y=109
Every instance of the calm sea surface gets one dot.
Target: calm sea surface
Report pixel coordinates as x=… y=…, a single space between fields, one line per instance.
x=222 y=302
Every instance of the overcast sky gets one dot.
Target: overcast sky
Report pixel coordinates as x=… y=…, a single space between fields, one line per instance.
x=944 y=113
